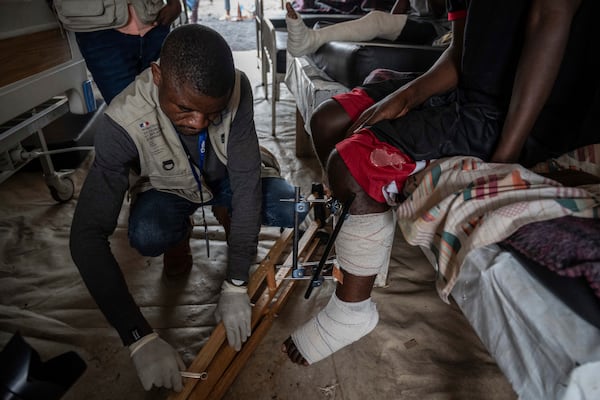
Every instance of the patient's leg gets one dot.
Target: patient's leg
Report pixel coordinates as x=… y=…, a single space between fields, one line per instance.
x=328 y=126
x=376 y=24
x=362 y=246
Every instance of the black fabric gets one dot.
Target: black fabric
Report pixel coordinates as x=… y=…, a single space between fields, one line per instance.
x=564 y=255
x=574 y=292
x=24 y=376
x=440 y=129
x=350 y=63
x=420 y=32
x=495 y=31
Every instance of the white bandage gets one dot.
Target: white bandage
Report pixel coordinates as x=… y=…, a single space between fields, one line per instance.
x=364 y=243
x=302 y=40
x=337 y=325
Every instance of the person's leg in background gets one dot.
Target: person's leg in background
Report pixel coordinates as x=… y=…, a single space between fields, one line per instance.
x=114 y=59
x=151 y=43
x=275 y=212
x=227 y=15
x=303 y=40
x=193 y=7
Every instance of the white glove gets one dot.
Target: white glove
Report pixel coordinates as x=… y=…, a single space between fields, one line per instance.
x=157 y=363
x=235 y=311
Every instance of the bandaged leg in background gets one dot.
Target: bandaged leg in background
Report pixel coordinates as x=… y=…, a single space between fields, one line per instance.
x=303 y=40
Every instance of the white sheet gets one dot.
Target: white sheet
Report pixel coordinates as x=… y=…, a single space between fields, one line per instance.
x=310 y=86
x=534 y=337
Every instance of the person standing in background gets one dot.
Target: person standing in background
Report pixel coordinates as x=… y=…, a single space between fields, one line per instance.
x=227 y=16
x=121 y=42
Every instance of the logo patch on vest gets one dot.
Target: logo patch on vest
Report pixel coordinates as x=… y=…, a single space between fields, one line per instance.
x=168 y=165
x=144 y=124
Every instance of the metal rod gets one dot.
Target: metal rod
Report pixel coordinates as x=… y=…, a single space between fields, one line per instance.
x=296 y=229
x=315 y=281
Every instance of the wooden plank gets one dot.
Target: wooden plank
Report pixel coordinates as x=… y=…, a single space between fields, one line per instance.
x=268 y=263
x=216 y=355
x=244 y=355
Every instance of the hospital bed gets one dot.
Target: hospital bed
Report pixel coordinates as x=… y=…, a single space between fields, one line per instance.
x=43 y=77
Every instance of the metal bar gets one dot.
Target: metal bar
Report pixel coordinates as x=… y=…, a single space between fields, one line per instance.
x=14 y=135
x=296 y=229
x=316 y=278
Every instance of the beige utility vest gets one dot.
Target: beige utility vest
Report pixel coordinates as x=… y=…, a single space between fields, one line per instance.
x=92 y=15
x=163 y=161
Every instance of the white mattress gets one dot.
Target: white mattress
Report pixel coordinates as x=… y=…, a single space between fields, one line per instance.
x=310 y=86
x=537 y=341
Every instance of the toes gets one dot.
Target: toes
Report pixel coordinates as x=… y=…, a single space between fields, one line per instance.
x=293 y=353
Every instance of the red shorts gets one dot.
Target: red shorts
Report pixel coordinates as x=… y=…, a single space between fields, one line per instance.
x=354 y=102
x=378 y=167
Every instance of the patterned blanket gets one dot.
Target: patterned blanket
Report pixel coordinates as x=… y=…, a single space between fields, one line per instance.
x=459 y=204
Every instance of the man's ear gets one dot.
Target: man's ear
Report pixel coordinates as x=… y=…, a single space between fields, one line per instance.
x=156 y=73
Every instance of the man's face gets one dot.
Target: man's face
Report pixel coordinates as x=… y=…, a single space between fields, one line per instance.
x=189 y=111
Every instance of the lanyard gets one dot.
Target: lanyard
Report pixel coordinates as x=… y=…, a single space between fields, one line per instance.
x=201 y=155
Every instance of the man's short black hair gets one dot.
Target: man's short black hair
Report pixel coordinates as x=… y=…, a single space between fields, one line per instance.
x=198 y=55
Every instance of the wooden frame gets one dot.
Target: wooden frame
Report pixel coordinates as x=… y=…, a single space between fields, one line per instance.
x=269 y=291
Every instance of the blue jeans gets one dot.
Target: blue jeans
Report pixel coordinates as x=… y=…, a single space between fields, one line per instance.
x=160 y=220
x=114 y=59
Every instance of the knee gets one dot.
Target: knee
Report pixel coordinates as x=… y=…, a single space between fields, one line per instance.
x=338 y=174
x=275 y=211
x=343 y=185
x=328 y=126
x=319 y=123
x=147 y=239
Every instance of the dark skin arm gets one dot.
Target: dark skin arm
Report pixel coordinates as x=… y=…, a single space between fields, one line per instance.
x=169 y=12
x=441 y=77
x=547 y=32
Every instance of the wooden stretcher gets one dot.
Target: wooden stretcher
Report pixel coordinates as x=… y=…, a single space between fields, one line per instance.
x=269 y=290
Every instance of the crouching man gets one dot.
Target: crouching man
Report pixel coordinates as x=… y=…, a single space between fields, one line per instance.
x=185 y=130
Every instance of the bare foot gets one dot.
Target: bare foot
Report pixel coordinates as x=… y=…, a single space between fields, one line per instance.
x=289 y=347
x=291 y=13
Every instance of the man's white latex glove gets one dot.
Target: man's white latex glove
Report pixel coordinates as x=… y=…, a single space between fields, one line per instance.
x=235 y=311
x=157 y=363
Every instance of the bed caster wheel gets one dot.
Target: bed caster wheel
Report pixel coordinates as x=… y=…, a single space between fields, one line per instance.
x=63 y=190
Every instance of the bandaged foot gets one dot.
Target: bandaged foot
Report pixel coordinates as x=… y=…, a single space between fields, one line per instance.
x=302 y=40
x=337 y=325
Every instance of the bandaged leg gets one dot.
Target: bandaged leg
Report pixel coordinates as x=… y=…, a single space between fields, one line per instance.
x=362 y=248
x=376 y=24
x=364 y=245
